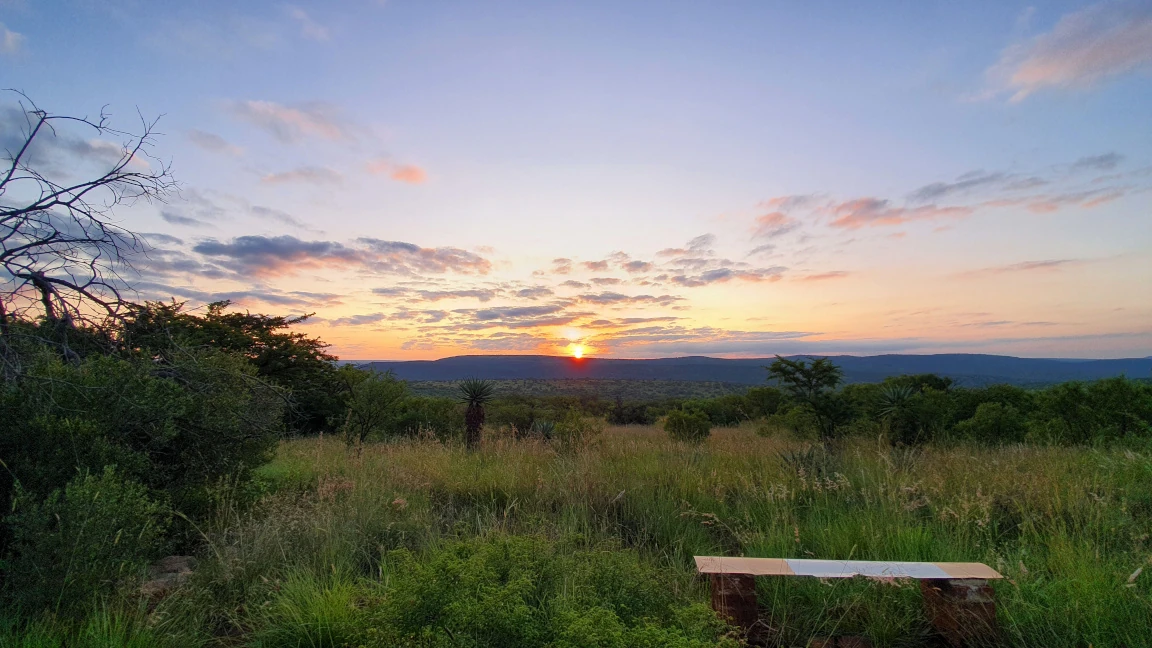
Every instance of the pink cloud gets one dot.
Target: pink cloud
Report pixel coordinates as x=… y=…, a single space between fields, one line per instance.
x=871 y=212
x=825 y=276
x=409 y=173
x=774 y=224
x=1085 y=47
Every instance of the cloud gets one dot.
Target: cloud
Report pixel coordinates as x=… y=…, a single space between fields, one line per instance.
x=268 y=213
x=871 y=212
x=1104 y=162
x=10 y=42
x=262 y=255
x=212 y=142
x=291 y=124
x=176 y=219
x=420 y=259
x=824 y=276
x=536 y=292
x=723 y=275
x=408 y=173
x=774 y=224
x=575 y=284
x=968 y=181
x=606 y=281
x=633 y=267
x=286 y=255
x=1024 y=266
x=561 y=266
x=312 y=175
x=614 y=298
x=595 y=266
x=164 y=239
x=700 y=245
x=480 y=294
x=517 y=312
x=309 y=28
x=1085 y=48
x=358 y=320
x=390 y=292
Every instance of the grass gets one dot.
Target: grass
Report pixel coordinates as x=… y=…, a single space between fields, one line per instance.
x=417 y=543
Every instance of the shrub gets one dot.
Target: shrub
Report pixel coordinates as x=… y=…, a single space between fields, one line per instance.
x=993 y=423
x=373 y=405
x=574 y=431
x=174 y=427
x=100 y=530
x=692 y=426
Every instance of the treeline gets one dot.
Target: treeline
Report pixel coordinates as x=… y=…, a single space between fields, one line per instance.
x=908 y=410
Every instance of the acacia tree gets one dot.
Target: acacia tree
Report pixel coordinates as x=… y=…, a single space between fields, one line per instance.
x=813 y=385
x=63 y=258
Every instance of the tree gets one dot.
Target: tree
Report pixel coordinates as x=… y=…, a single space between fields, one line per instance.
x=62 y=256
x=373 y=405
x=474 y=393
x=290 y=359
x=812 y=385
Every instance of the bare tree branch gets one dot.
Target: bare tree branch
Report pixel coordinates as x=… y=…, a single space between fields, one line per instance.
x=63 y=257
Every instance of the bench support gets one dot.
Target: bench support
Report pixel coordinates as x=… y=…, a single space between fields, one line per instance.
x=734 y=598
x=962 y=610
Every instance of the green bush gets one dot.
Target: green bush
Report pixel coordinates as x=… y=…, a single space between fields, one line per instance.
x=176 y=427
x=526 y=591
x=993 y=423
x=373 y=406
x=98 y=532
x=574 y=431
x=692 y=426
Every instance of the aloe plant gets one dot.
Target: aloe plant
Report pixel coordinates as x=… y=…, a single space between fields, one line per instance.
x=474 y=393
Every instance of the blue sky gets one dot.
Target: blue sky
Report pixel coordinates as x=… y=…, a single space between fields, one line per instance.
x=905 y=176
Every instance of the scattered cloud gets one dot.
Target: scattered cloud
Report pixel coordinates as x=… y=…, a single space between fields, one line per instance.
x=291 y=124
x=186 y=221
x=268 y=213
x=1024 y=266
x=595 y=266
x=872 y=212
x=1104 y=162
x=212 y=142
x=774 y=224
x=358 y=320
x=571 y=283
x=309 y=174
x=615 y=298
x=282 y=255
x=479 y=294
x=309 y=28
x=536 y=292
x=408 y=173
x=10 y=42
x=1085 y=48
x=399 y=255
x=824 y=276
x=723 y=275
x=972 y=180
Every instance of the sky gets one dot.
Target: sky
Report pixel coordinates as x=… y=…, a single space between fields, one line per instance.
x=636 y=179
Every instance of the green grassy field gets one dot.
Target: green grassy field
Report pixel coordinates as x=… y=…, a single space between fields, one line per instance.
x=418 y=543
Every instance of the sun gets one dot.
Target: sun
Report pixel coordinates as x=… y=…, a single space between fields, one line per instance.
x=578 y=351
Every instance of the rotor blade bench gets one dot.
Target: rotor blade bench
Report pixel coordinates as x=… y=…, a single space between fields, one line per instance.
x=958 y=600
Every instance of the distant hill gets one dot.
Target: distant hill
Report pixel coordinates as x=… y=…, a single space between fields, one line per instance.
x=965 y=369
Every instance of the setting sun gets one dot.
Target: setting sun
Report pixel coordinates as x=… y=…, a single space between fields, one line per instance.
x=578 y=351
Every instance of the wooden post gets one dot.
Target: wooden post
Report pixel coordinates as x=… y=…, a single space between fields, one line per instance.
x=734 y=598
x=963 y=610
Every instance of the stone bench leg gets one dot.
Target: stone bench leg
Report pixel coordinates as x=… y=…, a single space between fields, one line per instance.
x=962 y=610
x=734 y=598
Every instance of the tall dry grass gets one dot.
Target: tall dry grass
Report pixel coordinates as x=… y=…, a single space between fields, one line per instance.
x=1070 y=528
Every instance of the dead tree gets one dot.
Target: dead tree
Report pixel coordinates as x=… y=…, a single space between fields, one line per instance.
x=63 y=257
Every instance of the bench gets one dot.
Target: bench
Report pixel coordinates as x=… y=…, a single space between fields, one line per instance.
x=958 y=600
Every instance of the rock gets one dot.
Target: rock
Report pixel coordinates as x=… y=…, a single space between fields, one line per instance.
x=166 y=575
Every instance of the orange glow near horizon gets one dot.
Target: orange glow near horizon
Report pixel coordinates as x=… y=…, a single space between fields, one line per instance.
x=578 y=351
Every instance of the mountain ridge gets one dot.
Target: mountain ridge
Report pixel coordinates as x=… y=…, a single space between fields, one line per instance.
x=964 y=368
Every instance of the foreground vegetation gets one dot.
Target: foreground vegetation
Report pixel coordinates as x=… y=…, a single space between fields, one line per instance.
x=421 y=543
